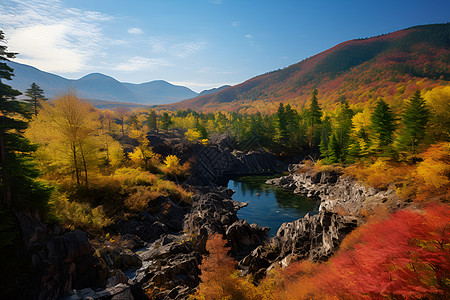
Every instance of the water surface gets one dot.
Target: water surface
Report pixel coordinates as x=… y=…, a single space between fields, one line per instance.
x=269 y=206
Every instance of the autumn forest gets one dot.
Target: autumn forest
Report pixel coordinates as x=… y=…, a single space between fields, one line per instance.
x=374 y=111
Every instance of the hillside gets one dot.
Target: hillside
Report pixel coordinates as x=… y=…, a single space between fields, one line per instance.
x=97 y=86
x=391 y=66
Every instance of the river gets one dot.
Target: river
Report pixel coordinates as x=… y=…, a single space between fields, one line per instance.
x=269 y=206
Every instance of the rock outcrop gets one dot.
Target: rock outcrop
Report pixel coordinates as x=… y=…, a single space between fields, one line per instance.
x=312 y=237
x=213 y=165
x=64 y=264
x=215 y=212
x=163 y=217
x=171 y=264
x=337 y=193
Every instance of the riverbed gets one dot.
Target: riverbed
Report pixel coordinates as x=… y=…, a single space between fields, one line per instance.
x=269 y=206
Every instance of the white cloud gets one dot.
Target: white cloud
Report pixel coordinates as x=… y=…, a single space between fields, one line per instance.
x=158 y=45
x=188 y=48
x=217 y=2
x=139 y=63
x=249 y=36
x=51 y=36
x=235 y=23
x=135 y=30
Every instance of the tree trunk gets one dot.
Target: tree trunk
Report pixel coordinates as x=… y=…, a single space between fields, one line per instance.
x=83 y=159
x=74 y=152
x=5 y=177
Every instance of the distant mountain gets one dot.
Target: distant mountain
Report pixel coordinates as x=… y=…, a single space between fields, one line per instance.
x=160 y=89
x=97 y=86
x=212 y=91
x=391 y=66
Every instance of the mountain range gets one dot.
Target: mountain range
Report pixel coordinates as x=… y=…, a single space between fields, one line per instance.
x=391 y=66
x=97 y=86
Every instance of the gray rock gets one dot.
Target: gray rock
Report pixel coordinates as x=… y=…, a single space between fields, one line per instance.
x=312 y=237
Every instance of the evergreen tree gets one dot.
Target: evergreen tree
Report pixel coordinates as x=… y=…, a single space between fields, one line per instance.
x=414 y=119
x=152 y=121
x=334 y=150
x=383 y=125
x=325 y=137
x=19 y=188
x=343 y=127
x=280 y=125
x=314 y=120
x=202 y=130
x=34 y=94
x=166 y=121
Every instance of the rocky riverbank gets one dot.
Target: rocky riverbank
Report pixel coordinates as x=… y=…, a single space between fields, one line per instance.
x=338 y=193
x=344 y=203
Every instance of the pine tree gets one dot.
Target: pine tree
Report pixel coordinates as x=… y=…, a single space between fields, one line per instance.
x=334 y=150
x=314 y=118
x=325 y=136
x=19 y=188
x=383 y=125
x=280 y=125
x=344 y=116
x=152 y=121
x=414 y=119
x=166 y=121
x=34 y=94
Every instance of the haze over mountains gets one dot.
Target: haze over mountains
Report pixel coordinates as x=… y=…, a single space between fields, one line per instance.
x=391 y=66
x=99 y=87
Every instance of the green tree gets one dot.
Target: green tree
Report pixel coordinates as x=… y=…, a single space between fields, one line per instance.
x=19 y=187
x=414 y=119
x=280 y=125
x=314 y=120
x=34 y=94
x=343 y=127
x=383 y=125
x=333 y=154
x=166 y=121
x=152 y=121
x=325 y=137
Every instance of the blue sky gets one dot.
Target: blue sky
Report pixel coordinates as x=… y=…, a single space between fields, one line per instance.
x=197 y=43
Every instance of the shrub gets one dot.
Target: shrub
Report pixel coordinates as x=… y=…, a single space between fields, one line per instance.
x=72 y=214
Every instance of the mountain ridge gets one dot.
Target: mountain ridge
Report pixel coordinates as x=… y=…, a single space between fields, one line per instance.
x=98 y=86
x=391 y=66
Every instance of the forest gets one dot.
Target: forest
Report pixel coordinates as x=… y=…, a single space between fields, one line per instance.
x=84 y=168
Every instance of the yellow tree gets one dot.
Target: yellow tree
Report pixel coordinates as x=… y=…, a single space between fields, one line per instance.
x=67 y=129
x=360 y=134
x=438 y=100
x=113 y=152
x=143 y=152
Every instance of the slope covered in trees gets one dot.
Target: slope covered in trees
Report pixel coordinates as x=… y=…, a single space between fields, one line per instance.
x=391 y=66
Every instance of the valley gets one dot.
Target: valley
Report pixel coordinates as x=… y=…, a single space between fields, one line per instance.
x=328 y=179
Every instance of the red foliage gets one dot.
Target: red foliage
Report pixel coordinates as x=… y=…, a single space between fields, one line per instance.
x=404 y=257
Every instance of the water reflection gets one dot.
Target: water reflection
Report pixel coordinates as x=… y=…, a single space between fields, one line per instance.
x=273 y=206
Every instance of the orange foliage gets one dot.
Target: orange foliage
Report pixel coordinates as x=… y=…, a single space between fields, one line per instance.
x=219 y=276
x=433 y=174
x=426 y=181
x=381 y=173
